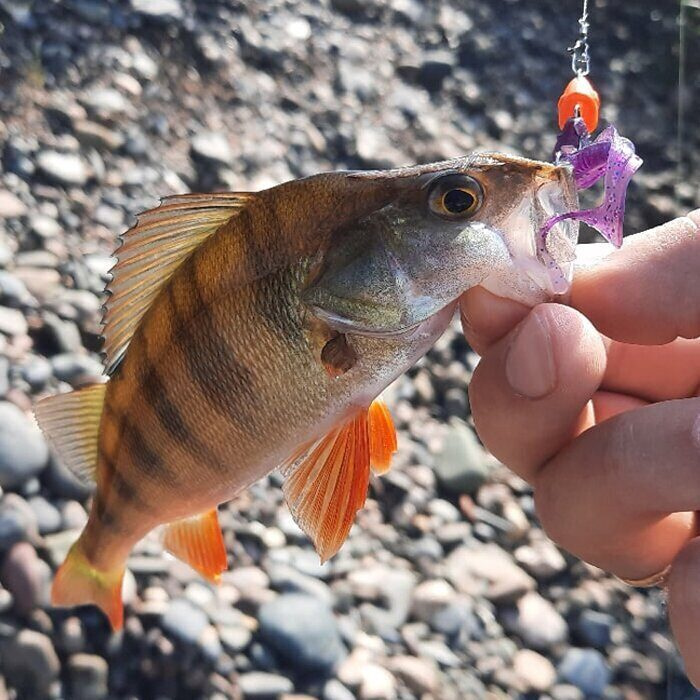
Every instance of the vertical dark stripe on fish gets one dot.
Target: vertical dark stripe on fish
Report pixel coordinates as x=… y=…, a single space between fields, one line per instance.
x=173 y=422
x=210 y=360
x=143 y=454
x=106 y=515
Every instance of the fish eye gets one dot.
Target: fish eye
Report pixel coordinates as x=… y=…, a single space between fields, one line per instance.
x=455 y=197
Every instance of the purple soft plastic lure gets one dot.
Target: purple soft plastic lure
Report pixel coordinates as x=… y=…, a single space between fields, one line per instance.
x=609 y=155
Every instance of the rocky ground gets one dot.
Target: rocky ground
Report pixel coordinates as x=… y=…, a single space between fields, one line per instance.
x=447 y=587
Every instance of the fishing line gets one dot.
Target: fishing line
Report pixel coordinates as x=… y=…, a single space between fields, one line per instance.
x=580 y=53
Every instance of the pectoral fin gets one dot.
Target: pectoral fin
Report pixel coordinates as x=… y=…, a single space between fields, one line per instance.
x=327 y=482
x=198 y=541
x=382 y=437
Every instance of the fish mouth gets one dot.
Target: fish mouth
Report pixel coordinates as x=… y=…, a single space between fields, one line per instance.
x=539 y=269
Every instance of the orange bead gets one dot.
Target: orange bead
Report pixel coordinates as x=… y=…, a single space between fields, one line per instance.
x=579 y=92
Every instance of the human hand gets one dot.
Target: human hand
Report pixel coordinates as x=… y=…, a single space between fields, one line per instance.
x=597 y=405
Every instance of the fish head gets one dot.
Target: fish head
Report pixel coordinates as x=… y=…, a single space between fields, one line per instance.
x=442 y=229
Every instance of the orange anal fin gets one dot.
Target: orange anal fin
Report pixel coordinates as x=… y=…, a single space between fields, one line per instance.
x=198 y=542
x=382 y=437
x=77 y=582
x=327 y=484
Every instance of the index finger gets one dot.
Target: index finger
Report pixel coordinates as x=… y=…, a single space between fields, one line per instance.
x=648 y=292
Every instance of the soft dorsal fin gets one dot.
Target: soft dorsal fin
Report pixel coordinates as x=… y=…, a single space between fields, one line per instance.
x=71 y=423
x=198 y=541
x=150 y=253
x=327 y=482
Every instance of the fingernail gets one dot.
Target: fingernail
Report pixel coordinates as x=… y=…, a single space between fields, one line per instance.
x=530 y=368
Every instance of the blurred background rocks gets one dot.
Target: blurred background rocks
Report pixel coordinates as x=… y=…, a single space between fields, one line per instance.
x=447 y=588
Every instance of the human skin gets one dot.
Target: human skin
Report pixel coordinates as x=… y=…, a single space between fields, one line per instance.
x=597 y=405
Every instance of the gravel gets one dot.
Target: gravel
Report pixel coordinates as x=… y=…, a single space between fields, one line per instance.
x=447 y=587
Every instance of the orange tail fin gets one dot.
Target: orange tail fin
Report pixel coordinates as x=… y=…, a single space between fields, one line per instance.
x=78 y=582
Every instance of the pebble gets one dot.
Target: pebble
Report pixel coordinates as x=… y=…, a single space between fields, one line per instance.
x=64 y=168
x=159 y=9
x=377 y=683
x=258 y=685
x=303 y=630
x=586 y=669
x=212 y=147
x=30 y=663
x=17 y=521
x=417 y=674
x=24 y=575
x=534 y=670
x=542 y=560
x=595 y=628
x=536 y=621
x=487 y=569
x=11 y=206
x=335 y=690
x=184 y=621
x=431 y=597
x=23 y=450
x=12 y=321
x=461 y=465
x=88 y=674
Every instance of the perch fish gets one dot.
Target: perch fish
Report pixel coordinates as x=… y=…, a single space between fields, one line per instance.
x=247 y=332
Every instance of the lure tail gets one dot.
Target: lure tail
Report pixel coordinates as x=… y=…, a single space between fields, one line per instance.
x=78 y=582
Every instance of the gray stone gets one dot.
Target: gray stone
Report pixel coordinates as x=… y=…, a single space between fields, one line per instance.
x=288 y=580
x=25 y=576
x=586 y=669
x=12 y=321
x=36 y=372
x=64 y=168
x=257 y=685
x=461 y=465
x=595 y=628
x=159 y=9
x=418 y=675
x=12 y=290
x=23 y=450
x=303 y=630
x=429 y=597
x=48 y=517
x=17 y=521
x=335 y=690
x=486 y=569
x=184 y=621
x=88 y=676
x=72 y=368
x=536 y=621
x=235 y=638
x=30 y=663
x=44 y=226
x=212 y=146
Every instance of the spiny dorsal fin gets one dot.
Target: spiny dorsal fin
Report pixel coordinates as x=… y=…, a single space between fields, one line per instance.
x=198 y=541
x=150 y=253
x=71 y=423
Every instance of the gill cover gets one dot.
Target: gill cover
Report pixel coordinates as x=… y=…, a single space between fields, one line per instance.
x=400 y=266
